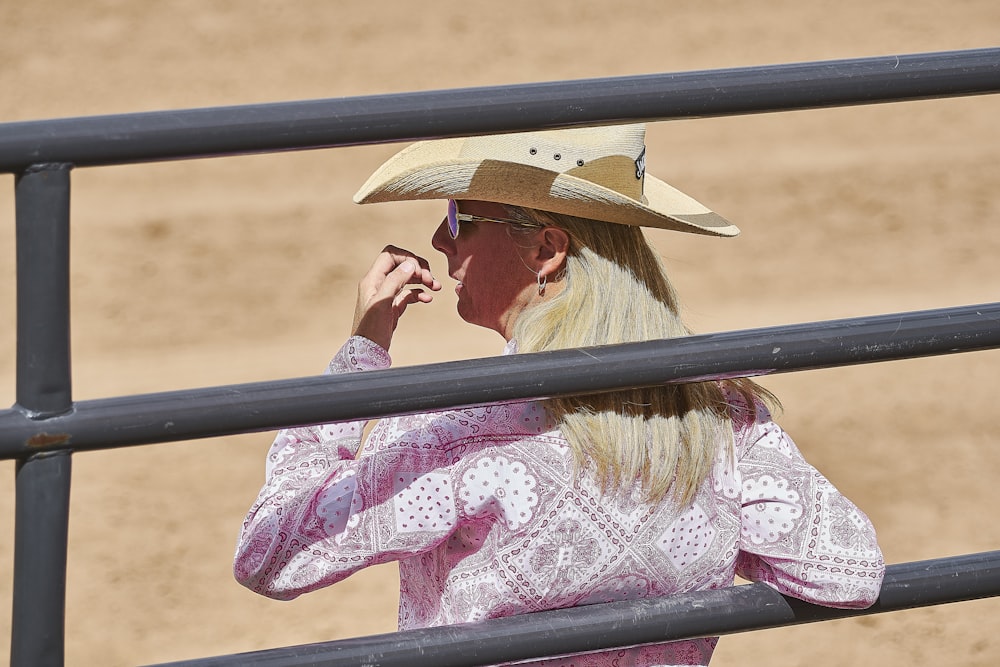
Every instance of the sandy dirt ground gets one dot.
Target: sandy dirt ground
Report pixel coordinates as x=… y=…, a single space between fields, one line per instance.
x=241 y=269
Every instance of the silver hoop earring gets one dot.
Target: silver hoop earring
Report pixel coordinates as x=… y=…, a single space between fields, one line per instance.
x=542 y=280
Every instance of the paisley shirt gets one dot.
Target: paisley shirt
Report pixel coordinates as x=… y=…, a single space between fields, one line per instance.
x=487 y=517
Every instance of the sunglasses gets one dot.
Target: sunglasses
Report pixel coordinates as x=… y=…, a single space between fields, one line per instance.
x=454 y=217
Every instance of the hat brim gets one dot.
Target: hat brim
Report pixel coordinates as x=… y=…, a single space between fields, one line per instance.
x=436 y=170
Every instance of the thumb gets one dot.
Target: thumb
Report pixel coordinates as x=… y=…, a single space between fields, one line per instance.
x=396 y=279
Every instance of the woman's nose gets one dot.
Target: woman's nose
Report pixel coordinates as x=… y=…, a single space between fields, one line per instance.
x=442 y=241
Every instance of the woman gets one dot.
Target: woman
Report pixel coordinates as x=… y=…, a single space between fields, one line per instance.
x=524 y=506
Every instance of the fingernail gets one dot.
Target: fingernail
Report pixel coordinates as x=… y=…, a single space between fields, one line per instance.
x=408 y=266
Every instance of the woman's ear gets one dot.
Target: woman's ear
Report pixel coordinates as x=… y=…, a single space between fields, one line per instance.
x=551 y=251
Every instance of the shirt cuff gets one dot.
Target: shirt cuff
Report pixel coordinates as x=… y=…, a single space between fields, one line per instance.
x=359 y=354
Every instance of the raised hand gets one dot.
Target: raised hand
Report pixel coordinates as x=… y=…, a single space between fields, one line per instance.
x=383 y=294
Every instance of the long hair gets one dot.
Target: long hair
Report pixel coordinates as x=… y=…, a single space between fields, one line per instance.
x=664 y=438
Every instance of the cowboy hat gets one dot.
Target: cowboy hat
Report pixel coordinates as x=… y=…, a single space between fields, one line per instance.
x=594 y=172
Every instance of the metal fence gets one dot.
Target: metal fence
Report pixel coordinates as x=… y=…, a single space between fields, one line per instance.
x=46 y=426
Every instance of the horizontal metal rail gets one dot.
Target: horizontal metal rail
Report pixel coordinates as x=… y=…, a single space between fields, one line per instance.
x=192 y=133
x=616 y=624
x=215 y=411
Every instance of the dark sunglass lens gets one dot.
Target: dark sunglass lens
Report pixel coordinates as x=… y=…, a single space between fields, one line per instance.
x=453 y=218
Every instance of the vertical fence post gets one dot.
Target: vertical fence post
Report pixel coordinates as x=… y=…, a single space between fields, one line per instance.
x=43 y=390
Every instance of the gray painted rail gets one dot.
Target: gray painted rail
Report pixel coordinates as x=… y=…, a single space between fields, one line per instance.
x=603 y=626
x=191 y=133
x=225 y=410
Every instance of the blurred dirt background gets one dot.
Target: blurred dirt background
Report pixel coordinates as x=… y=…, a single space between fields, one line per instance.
x=232 y=270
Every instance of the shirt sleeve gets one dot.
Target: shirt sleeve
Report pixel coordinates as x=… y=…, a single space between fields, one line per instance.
x=323 y=514
x=799 y=534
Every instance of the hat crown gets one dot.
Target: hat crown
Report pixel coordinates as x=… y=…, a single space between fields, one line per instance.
x=612 y=157
x=559 y=151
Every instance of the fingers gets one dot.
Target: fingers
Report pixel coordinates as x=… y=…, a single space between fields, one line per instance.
x=393 y=257
x=383 y=294
x=393 y=284
x=406 y=297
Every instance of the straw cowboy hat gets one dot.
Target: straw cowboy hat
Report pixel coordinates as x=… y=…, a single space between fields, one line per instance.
x=596 y=172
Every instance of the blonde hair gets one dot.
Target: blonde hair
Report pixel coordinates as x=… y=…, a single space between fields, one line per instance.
x=666 y=438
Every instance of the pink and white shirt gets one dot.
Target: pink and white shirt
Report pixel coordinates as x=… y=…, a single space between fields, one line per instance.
x=483 y=511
